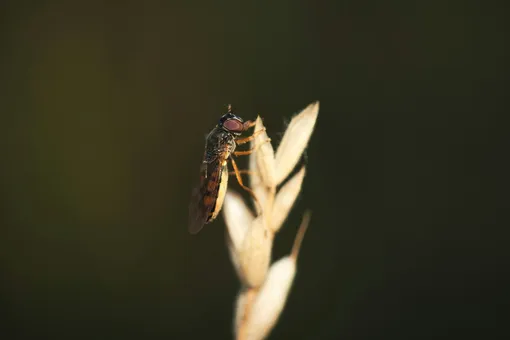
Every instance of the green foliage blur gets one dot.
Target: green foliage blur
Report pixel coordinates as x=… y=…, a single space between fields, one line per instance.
x=104 y=109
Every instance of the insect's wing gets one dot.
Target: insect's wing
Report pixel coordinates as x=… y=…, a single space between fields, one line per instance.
x=197 y=212
x=204 y=197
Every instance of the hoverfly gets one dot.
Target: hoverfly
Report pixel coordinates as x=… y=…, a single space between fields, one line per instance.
x=207 y=198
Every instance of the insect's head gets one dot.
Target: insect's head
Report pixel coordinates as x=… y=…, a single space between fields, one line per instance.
x=231 y=123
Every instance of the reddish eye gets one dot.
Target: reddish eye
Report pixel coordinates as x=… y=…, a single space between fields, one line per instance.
x=233 y=125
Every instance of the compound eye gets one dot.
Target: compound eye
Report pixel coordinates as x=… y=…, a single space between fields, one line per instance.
x=233 y=125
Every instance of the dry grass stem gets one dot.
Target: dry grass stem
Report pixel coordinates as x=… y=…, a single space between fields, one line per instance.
x=250 y=236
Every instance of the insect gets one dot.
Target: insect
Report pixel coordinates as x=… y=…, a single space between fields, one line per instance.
x=207 y=197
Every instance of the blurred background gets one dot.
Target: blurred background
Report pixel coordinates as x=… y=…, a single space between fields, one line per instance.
x=104 y=109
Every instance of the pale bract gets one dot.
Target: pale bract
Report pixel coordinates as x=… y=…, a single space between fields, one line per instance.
x=238 y=217
x=256 y=181
x=285 y=199
x=255 y=253
x=264 y=156
x=294 y=141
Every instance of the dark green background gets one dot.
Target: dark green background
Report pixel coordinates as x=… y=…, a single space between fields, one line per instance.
x=104 y=108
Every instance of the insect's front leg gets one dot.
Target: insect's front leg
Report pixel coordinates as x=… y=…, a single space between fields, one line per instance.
x=244 y=171
x=237 y=172
x=240 y=141
x=253 y=149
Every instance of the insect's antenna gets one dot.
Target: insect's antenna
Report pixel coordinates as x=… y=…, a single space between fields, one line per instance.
x=229 y=108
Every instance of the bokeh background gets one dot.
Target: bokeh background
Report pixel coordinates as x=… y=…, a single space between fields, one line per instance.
x=104 y=108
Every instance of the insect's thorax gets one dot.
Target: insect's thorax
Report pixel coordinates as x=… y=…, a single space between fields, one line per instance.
x=219 y=145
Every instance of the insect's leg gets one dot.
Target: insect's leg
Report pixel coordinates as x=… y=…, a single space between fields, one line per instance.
x=254 y=148
x=240 y=181
x=249 y=172
x=249 y=138
x=248 y=124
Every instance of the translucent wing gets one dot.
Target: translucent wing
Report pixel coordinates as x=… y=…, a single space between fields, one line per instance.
x=204 y=196
x=197 y=212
